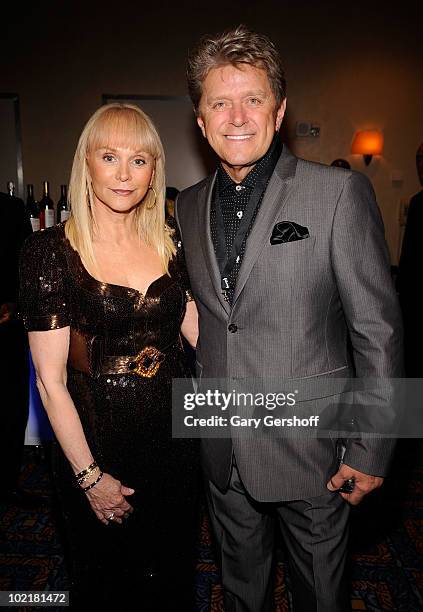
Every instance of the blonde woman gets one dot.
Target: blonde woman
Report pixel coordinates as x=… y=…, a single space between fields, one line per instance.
x=104 y=297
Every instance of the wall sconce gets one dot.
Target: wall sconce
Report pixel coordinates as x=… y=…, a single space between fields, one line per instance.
x=367 y=143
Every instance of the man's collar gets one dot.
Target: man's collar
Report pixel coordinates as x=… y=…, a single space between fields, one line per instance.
x=272 y=155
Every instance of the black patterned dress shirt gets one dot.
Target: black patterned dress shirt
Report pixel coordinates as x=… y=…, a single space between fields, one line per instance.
x=234 y=198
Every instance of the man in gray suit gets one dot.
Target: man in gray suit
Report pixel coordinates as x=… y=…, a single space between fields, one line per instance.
x=290 y=272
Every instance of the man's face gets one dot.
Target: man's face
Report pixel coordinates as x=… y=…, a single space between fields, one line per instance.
x=238 y=116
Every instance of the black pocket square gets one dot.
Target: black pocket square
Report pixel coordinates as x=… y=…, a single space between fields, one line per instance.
x=288 y=231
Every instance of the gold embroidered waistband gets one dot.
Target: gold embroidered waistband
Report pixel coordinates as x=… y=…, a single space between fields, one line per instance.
x=145 y=364
x=86 y=354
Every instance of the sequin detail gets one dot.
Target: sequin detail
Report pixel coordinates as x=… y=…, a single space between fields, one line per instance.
x=46 y=322
x=126 y=418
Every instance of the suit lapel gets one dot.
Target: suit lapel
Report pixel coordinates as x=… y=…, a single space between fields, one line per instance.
x=273 y=202
x=203 y=207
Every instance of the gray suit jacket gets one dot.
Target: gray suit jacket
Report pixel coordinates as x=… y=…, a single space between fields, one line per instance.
x=318 y=307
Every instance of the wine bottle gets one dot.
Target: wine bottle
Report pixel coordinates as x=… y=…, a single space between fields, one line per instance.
x=11 y=188
x=63 y=211
x=46 y=208
x=32 y=209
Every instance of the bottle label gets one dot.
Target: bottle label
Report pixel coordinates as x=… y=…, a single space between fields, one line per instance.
x=64 y=215
x=35 y=223
x=49 y=217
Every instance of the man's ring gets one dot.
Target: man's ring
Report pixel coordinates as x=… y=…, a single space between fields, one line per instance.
x=111 y=517
x=348 y=486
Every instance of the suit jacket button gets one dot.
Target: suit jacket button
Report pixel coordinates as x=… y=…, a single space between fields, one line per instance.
x=232 y=328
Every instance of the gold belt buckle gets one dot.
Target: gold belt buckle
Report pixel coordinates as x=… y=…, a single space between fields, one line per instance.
x=147 y=362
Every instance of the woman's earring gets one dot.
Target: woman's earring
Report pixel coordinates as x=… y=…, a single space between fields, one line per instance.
x=155 y=198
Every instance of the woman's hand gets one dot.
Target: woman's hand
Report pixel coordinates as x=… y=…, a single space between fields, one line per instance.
x=107 y=497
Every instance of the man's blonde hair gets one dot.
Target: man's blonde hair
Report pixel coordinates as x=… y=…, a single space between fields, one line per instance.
x=236 y=47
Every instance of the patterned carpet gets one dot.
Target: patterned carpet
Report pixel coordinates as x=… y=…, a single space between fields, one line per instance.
x=386 y=546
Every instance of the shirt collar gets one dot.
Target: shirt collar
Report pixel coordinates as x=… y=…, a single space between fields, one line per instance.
x=225 y=182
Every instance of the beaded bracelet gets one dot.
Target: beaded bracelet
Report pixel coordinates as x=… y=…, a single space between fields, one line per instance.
x=85 y=489
x=88 y=469
x=85 y=478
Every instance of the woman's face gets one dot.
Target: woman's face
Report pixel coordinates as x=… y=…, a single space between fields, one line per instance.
x=120 y=176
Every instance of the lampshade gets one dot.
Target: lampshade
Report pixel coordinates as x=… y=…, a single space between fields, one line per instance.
x=367 y=142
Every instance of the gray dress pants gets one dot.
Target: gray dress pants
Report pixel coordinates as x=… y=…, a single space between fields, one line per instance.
x=315 y=532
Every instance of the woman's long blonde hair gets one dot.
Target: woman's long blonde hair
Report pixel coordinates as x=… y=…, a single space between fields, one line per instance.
x=118 y=125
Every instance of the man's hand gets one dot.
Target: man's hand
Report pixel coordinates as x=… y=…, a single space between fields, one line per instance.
x=363 y=483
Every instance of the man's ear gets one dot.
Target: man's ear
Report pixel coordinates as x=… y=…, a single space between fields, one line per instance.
x=280 y=114
x=201 y=125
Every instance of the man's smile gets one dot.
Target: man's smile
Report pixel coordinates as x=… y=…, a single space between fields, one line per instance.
x=238 y=137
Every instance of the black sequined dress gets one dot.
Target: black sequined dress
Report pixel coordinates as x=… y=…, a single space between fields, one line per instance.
x=126 y=419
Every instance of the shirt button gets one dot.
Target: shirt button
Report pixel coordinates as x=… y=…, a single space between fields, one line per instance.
x=232 y=328
x=238 y=187
x=239 y=214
